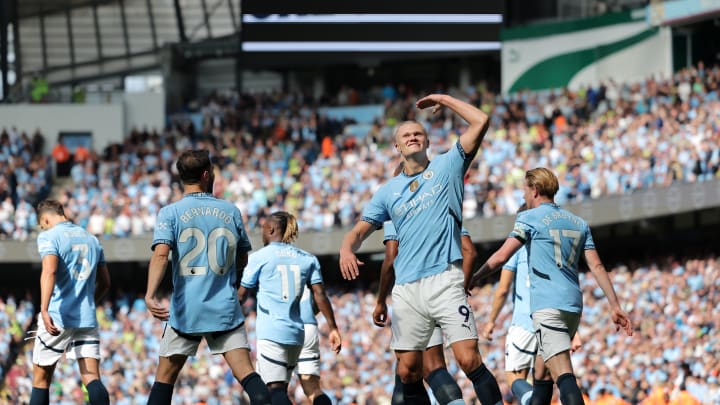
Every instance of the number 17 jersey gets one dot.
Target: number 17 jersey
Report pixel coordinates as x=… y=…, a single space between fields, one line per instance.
x=555 y=239
x=204 y=234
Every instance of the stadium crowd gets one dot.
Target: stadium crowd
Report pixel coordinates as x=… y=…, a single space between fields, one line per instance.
x=278 y=152
x=672 y=359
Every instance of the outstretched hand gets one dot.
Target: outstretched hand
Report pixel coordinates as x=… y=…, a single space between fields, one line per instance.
x=433 y=100
x=622 y=321
x=335 y=341
x=157 y=309
x=349 y=266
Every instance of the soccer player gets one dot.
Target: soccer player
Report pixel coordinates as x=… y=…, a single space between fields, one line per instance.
x=74 y=278
x=209 y=246
x=555 y=240
x=444 y=388
x=308 y=367
x=280 y=272
x=425 y=204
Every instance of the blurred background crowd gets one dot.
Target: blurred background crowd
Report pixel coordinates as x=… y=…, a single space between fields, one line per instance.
x=280 y=152
x=672 y=359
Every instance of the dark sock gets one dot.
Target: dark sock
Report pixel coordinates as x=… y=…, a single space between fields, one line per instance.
x=160 y=393
x=522 y=390
x=322 y=400
x=397 y=396
x=414 y=393
x=279 y=396
x=569 y=391
x=443 y=386
x=256 y=389
x=97 y=394
x=40 y=396
x=542 y=392
x=486 y=386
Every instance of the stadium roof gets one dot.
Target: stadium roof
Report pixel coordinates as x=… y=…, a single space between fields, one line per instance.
x=28 y=8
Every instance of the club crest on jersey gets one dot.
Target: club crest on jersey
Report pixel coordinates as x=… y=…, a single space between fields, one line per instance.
x=414 y=185
x=428 y=175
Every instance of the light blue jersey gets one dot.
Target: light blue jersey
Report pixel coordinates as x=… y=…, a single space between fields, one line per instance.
x=205 y=234
x=307 y=309
x=389 y=232
x=518 y=264
x=280 y=272
x=72 y=304
x=555 y=240
x=426 y=210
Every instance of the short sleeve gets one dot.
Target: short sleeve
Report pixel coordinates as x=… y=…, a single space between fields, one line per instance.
x=164 y=229
x=375 y=211
x=522 y=230
x=589 y=242
x=251 y=274
x=46 y=245
x=315 y=273
x=243 y=244
x=389 y=232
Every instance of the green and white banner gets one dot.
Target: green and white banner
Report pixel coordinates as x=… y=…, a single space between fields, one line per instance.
x=621 y=46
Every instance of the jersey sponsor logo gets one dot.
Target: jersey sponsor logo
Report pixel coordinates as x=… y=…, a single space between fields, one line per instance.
x=419 y=202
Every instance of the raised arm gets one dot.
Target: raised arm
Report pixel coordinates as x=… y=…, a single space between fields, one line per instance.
x=387 y=279
x=323 y=303
x=351 y=243
x=619 y=317
x=156 y=272
x=495 y=261
x=477 y=120
x=499 y=299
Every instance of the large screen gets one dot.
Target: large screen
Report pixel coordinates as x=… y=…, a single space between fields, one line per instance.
x=417 y=26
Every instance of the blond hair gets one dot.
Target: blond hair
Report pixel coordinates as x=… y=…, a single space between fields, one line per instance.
x=288 y=225
x=543 y=180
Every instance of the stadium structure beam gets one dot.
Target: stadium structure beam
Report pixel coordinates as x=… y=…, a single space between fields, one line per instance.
x=153 y=30
x=180 y=22
x=71 y=43
x=123 y=20
x=96 y=23
x=15 y=19
x=232 y=15
x=43 y=42
x=206 y=18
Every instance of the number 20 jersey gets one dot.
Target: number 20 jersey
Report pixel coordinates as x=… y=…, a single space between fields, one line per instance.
x=555 y=239
x=205 y=234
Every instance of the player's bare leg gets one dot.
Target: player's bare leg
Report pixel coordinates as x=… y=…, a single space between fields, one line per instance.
x=242 y=369
x=468 y=358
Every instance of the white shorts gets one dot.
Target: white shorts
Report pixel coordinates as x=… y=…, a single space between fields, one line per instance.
x=174 y=342
x=436 y=338
x=554 y=330
x=309 y=360
x=79 y=343
x=520 y=349
x=437 y=300
x=275 y=361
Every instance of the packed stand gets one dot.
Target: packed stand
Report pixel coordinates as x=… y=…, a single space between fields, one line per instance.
x=673 y=352
x=25 y=179
x=277 y=151
x=16 y=315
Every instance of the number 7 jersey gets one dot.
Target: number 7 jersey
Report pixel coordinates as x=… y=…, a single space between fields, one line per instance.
x=205 y=234
x=555 y=239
